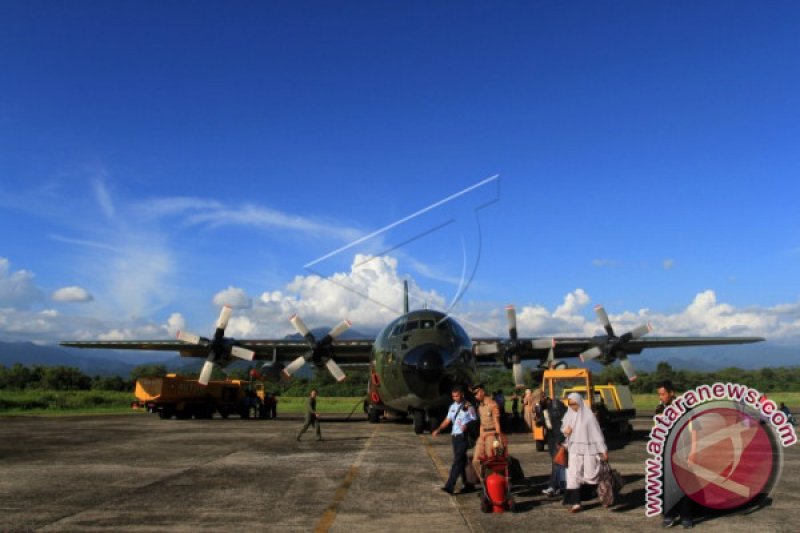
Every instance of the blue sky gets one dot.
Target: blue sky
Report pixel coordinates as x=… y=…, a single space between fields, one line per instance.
x=158 y=158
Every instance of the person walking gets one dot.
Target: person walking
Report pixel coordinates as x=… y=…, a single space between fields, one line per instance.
x=460 y=414
x=683 y=508
x=312 y=416
x=553 y=416
x=489 y=415
x=586 y=447
x=527 y=410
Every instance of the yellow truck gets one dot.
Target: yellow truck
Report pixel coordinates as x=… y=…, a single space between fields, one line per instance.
x=613 y=404
x=184 y=398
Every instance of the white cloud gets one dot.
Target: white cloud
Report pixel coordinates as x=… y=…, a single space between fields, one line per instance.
x=233 y=296
x=668 y=264
x=17 y=289
x=72 y=294
x=211 y=213
x=573 y=303
x=370 y=294
x=103 y=197
x=175 y=323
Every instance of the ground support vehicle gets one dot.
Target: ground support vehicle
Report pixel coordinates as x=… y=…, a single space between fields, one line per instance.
x=612 y=403
x=184 y=398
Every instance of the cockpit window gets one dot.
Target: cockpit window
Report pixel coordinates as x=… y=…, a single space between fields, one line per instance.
x=398 y=328
x=414 y=324
x=454 y=329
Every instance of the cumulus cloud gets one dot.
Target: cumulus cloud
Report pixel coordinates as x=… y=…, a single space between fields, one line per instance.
x=17 y=289
x=702 y=316
x=370 y=294
x=233 y=296
x=72 y=294
x=175 y=323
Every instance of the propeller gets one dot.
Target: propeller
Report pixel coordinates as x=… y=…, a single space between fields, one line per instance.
x=220 y=348
x=320 y=353
x=612 y=347
x=511 y=349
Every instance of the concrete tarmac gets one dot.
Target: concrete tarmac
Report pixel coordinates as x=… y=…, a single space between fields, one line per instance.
x=139 y=473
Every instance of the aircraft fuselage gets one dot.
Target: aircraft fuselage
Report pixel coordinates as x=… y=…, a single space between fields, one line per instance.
x=416 y=360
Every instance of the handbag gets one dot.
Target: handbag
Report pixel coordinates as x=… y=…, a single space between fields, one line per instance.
x=561 y=457
x=609 y=484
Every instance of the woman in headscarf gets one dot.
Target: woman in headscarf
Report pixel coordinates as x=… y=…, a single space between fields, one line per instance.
x=586 y=447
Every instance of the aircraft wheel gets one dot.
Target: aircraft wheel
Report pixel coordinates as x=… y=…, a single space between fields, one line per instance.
x=374 y=415
x=165 y=413
x=419 y=421
x=183 y=415
x=433 y=422
x=539 y=445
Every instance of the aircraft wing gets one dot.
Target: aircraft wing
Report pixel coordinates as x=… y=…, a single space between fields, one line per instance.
x=347 y=352
x=573 y=347
x=492 y=349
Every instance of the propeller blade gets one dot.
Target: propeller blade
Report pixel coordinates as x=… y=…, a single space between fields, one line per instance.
x=343 y=326
x=335 y=371
x=294 y=366
x=542 y=344
x=187 y=337
x=242 y=353
x=519 y=376
x=641 y=331
x=627 y=366
x=591 y=353
x=511 y=317
x=603 y=316
x=302 y=329
x=224 y=316
x=486 y=349
x=205 y=374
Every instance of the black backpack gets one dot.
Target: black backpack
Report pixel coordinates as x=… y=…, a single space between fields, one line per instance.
x=472 y=430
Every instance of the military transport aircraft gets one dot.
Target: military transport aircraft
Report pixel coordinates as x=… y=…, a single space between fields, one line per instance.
x=416 y=359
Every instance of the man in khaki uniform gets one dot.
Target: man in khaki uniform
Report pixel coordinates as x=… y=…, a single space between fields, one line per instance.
x=489 y=414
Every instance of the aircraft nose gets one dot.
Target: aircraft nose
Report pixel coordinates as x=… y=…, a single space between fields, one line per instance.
x=423 y=367
x=426 y=362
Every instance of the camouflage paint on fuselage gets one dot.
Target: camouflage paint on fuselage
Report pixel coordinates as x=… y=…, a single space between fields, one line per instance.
x=418 y=358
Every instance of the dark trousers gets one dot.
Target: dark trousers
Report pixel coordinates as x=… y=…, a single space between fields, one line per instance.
x=683 y=509
x=459 y=462
x=558 y=473
x=310 y=419
x=558 y=477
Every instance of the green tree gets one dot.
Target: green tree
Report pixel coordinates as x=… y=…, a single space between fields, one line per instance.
x=148 y=371
x=65 y=378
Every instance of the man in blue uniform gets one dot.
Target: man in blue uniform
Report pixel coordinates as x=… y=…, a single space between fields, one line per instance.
x=459 y=415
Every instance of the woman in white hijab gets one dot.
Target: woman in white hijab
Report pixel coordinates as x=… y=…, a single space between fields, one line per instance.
x=586 y=447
